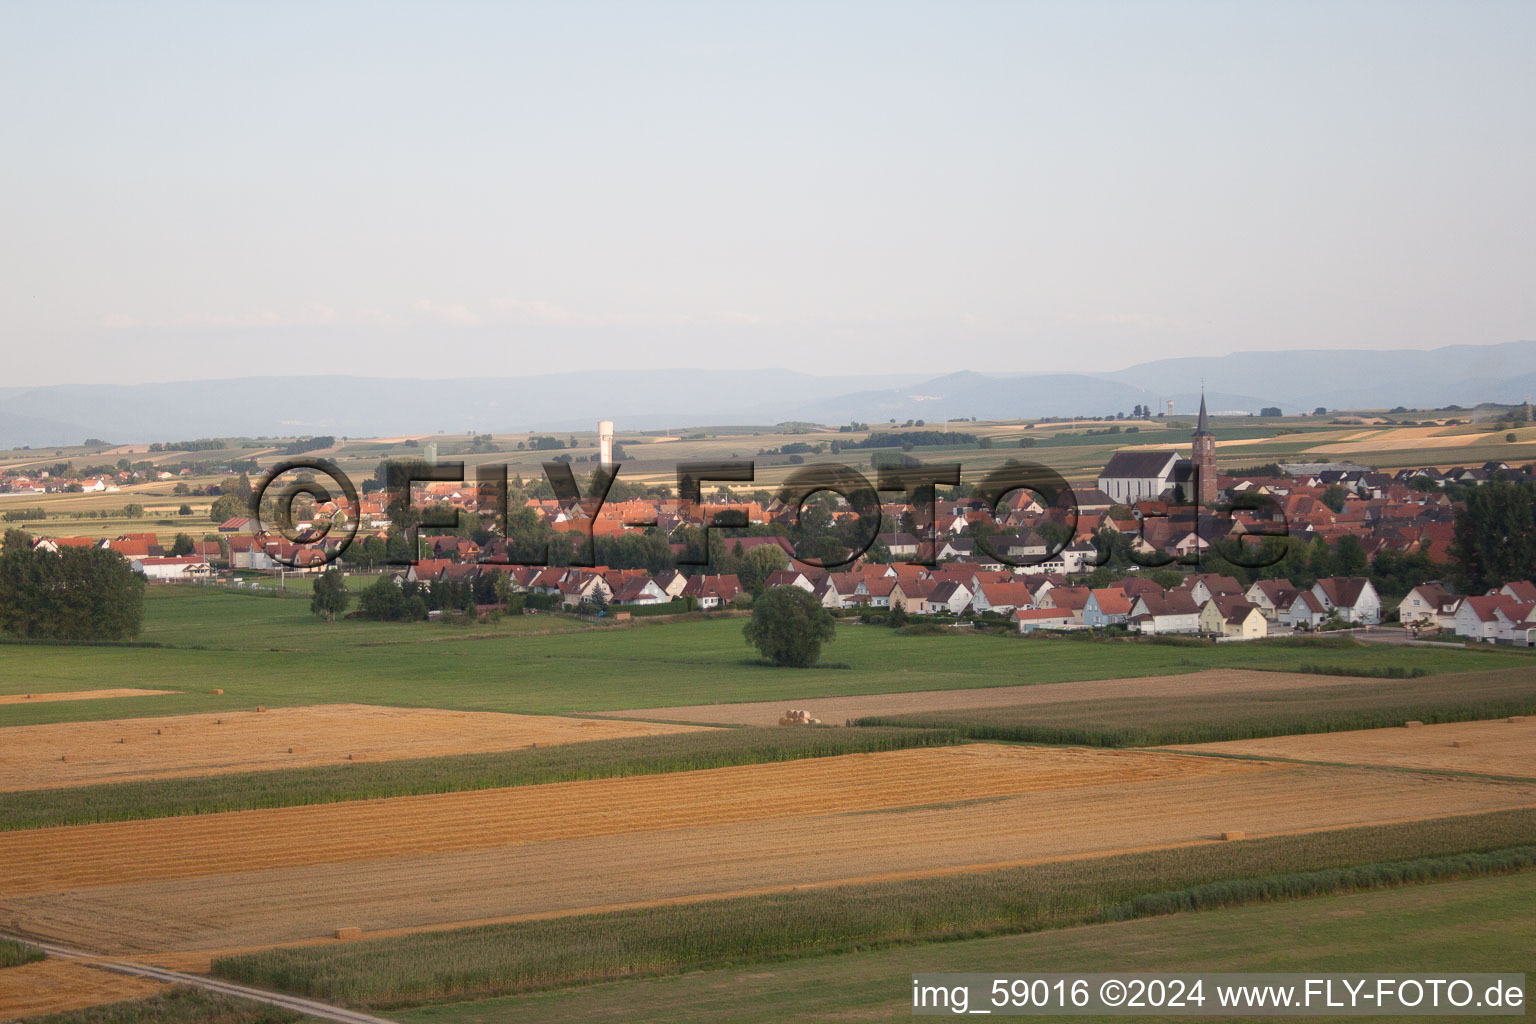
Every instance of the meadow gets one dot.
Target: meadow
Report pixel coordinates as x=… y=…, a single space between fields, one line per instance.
x=1157 y=721
x=269 y=650
x=482 y=962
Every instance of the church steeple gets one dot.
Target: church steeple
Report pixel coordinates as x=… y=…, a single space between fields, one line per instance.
x=1204 y=459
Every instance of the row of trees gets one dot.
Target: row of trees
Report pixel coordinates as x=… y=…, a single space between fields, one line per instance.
x=78 y=594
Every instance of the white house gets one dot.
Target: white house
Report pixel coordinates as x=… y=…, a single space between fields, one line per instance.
x=949 y=598
x=180 y=567
x=1352 y=597
x=1516 y=625
x=1428 y=604
x=1271 y=597
x=1173 y=612
x=1478 y=617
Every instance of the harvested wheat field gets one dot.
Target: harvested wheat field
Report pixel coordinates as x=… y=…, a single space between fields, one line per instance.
x=836 y=710
x=265 y=877
x=44 y=698
x=215 y=844
x=119 y=750
x=57 y=986
x=1500 y=747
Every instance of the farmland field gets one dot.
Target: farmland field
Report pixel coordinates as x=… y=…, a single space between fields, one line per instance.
x=371 y=780
x=256 y=878
x=43 y=698
x=815 y=921
x=54 y=986
x=1464 y=925
x=119 y=750
x=267 y=650
x=1501 y=747
x=1233 y=684
x=1240 y=714
x=449 y=823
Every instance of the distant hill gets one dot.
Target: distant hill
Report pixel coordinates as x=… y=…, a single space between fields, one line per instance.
x=651 y=399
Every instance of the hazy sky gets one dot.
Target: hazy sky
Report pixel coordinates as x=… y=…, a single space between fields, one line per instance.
x=451 y=189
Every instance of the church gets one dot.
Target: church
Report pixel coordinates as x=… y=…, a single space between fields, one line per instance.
x=1146 y=476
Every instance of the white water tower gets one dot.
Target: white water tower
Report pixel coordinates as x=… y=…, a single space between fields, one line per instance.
x=605 y=442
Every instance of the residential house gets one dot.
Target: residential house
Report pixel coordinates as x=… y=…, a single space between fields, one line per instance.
x=1107 y=606
x=1001 y=598
x=1429 y=604
x=1233 y=615
x=1271 y=597
x=949 y=597
x=1353 y=597
x=181 y=567
x=1031 y=619
x=1171 y=612
x=1306 y=612
x=713 y=591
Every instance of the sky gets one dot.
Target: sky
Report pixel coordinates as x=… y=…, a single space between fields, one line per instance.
x=461 y=189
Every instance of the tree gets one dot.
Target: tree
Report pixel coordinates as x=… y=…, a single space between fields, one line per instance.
x=77 y=594
x=387 y=602
x=182 y=545
x=1495 y=539
x=1270 y=410
x=1348 y=556
x=1333 y=496
x=229 y=506
x=788 y=626
x=331 y=597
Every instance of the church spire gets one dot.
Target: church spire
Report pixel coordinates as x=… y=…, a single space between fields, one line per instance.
x=1204 y=426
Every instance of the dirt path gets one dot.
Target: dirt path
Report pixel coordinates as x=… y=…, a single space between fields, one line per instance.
x=836 y=710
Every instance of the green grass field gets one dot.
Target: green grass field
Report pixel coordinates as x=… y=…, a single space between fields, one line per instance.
x=270 y=650
x=484 y=961
x=1479 y=924
x=1155 y=721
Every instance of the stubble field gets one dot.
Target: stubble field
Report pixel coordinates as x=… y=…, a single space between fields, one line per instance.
x=258 y=878
x=122 y=750
x=1503 y=747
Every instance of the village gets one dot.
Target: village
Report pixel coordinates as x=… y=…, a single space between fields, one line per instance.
x=1152 y=545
